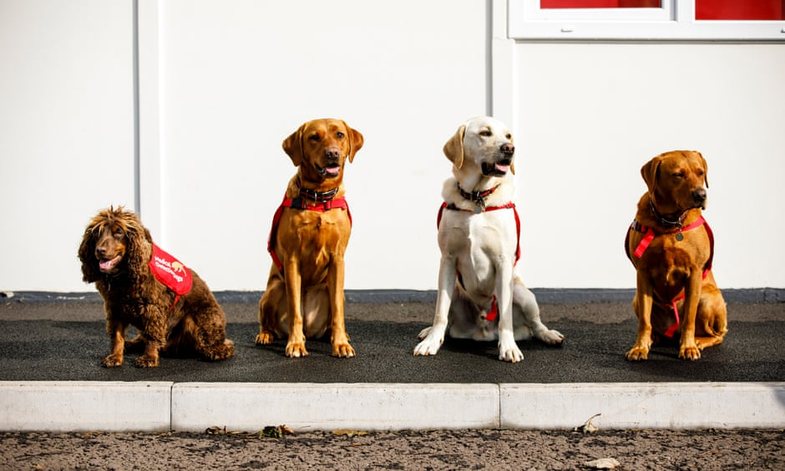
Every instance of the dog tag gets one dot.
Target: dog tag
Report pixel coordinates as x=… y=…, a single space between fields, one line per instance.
x=679 y=236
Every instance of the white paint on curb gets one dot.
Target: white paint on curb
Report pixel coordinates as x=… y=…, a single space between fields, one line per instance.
x=162 y=406
x=309 y=406
x=643 y=405
x=85 y=405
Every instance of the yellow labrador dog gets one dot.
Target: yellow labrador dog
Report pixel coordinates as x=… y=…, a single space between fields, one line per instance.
x=480 y=296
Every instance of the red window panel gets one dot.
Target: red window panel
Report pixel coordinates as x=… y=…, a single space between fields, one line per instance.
x=740 y=10
x=600 y=3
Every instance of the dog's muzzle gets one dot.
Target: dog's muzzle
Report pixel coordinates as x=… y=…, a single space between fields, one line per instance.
x=498 y=168
x=699 y=197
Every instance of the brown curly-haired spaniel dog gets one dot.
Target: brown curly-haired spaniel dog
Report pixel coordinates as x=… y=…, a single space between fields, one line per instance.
x=117 y=253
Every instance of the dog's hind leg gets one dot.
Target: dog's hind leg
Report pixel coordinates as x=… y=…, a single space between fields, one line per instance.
x=525 y=305
x=272 y=302
x=712 y=324
x=208 y=333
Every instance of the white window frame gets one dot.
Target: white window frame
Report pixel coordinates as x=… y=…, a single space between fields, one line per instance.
x=675 y=20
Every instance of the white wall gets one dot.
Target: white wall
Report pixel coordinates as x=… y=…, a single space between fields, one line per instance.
x=241 y=76
x=66 y=132
x=221 y=84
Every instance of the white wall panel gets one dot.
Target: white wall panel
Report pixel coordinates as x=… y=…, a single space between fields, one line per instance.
x=238 y=77
x=66 y=132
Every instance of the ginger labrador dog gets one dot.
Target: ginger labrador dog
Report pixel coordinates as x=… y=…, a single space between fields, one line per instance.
x=304 y=296
x=480 y=296
x=671 y=247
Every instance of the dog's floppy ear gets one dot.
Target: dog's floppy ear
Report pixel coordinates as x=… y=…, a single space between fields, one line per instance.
x=87 y=254
x=139 y=246
x=356 y=140
x=650 y=171
x=293 y=146
x=705 y=169
x=453 y=149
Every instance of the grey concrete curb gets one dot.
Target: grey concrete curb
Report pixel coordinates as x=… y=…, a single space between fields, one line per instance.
x=163 y=406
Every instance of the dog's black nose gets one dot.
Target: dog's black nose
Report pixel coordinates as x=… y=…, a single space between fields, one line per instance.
x=699 y=195
x=508 y=149
x=332 y=154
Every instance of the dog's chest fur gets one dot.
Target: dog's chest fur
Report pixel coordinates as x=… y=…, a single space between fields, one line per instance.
x=479 y=241
x=668 y=261
x=318 y=236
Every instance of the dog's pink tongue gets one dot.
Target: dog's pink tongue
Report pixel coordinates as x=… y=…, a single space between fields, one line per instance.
x=332 y=170
x=502 y=168
x=105 y=265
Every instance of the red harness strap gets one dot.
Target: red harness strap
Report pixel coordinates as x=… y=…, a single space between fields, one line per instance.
x=171 y=273
x=493 y=313
x=300 y=203
x=648 y=236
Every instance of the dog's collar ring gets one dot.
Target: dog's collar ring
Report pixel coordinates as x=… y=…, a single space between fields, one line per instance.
x=477 y=197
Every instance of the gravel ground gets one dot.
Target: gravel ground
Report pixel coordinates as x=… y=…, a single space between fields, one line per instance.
x=461 y=449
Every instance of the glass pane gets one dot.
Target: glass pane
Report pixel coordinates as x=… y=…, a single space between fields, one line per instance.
x=740 y=10
x=600 y=3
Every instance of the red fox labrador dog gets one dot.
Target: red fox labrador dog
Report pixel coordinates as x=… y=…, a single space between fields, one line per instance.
x=672 y=247
x=304 y=296
x=480 y=296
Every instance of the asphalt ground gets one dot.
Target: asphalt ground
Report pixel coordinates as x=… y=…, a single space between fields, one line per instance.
x=62 y=337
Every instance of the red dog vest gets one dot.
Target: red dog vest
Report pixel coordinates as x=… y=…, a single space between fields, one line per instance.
x=493 y=313
x=171 y=273
x=640 y=249
x=299 y=203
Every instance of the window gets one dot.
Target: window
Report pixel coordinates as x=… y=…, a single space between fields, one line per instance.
x=732 y=20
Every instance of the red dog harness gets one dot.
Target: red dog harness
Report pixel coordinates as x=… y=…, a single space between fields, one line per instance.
x=493 y=313
x=300 y=203
x=171 y=273
x=648 y=236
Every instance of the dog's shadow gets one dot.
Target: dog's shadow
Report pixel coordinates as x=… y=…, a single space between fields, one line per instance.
x=485 y=349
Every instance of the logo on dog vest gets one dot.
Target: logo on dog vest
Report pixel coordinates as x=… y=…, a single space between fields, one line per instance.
x=170 y=272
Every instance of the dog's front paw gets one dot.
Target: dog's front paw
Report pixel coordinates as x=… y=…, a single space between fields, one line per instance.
x=509 y=351
x=551 y=337
x=264 y=338
x=295 y=349
x=112 y=361
x=637 y=353
x=424 y=333
x=343 y=350
x=429 y=346
x=146 y=361
x=689 y=352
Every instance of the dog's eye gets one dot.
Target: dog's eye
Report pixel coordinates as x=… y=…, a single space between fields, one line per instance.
x=486 y=133
x=678 y=175
x=508 y=136
x=314 y=138
x=340 y=135
x=118 y=234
